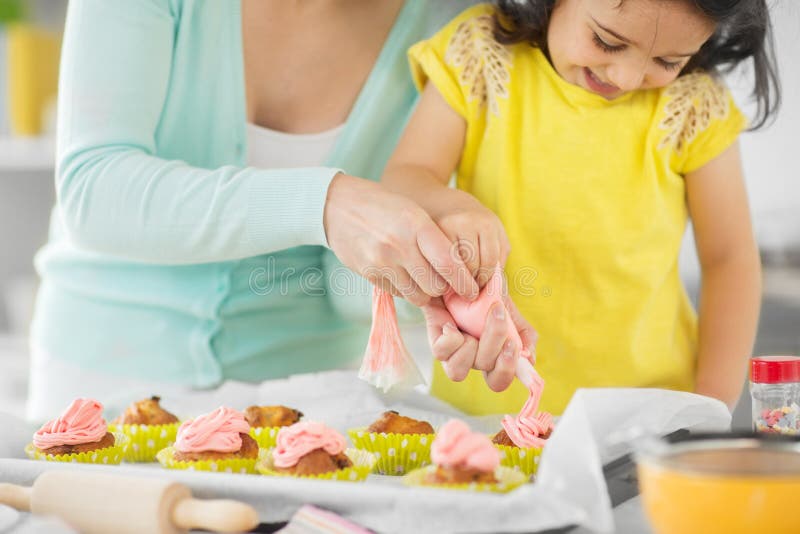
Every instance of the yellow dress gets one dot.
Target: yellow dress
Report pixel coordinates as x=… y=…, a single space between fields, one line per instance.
x=592 y=195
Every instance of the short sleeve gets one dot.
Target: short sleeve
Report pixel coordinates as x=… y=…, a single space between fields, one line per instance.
x=446 y=59
x=700 y=119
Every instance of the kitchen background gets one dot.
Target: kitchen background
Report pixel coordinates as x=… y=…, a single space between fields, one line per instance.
x=29 y=37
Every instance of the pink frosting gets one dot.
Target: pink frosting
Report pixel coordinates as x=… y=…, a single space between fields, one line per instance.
x=456 y=446
x=470 y=317
x=295 y=441
x=82 y=422
x=527 y=428
x=216 y=431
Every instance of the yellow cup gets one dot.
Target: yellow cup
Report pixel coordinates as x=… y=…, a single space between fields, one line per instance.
x=722 y=485
x=33 y=56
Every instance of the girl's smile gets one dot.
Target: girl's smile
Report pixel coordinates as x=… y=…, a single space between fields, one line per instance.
x=599 y=86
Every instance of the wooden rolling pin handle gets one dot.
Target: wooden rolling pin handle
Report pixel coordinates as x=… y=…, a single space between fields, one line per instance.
x=18 y=497
x=215 y=515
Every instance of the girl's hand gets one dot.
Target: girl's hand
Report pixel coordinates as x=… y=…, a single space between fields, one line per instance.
x=391 y=241
x=475 y=231
x=493 y=354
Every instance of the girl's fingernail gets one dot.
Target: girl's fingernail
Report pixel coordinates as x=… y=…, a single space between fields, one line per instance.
x=500 y=312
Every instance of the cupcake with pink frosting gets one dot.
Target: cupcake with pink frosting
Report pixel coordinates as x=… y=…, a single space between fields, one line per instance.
x=314 y=450
x=464 y=459
x=523 y=436
x=79 y=434
x=216 y=441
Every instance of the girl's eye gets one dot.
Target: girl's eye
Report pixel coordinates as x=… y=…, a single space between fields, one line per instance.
x=604 y=46
x=669 y=65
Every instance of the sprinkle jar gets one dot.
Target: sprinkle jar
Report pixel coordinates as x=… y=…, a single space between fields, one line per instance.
x=775 y=390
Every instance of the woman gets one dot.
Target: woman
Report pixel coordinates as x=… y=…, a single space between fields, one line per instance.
x=198 y=183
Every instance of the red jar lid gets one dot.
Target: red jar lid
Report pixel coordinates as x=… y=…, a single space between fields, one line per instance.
x=775 y=369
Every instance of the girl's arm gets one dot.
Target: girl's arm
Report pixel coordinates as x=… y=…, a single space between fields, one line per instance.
x=420 y=168
x=730 y=294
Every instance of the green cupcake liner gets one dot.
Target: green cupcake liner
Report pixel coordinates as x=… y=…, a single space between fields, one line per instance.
x=508 y=479
x=363 y=462
x=146 y=440
x=166 y=457
x=397 y=454
x=109 y=455
x=522 y=459
x=265 y=436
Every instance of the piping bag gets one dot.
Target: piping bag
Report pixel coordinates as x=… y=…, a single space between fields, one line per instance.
x=387 y=362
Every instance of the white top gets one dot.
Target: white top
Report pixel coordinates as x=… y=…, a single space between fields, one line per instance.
x=271 y=149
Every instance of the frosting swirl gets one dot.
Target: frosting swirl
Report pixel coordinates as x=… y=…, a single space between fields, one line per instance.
x=215 y=431
x=82 y=422
x=295 y=441
x=456 y=446
x=529 y=428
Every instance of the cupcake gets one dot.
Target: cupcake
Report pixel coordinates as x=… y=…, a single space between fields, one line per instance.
x=217 y=441
x=149 y=427
x=80 y=434
x=522 y=437
x=265 y=421
x=400 y=444
x=314 y=450
x=464 y=460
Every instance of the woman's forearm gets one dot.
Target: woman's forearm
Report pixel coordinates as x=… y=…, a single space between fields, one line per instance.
x=730 y=301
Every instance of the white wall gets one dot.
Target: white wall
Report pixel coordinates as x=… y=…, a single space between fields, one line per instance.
x=772 y=157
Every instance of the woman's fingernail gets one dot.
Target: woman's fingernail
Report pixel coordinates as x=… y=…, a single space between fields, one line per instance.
x=500 y=312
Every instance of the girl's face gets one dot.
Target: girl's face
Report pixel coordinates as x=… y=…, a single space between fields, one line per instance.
x=611 y=47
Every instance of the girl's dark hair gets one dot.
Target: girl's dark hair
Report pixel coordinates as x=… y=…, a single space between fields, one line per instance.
x=743 y=31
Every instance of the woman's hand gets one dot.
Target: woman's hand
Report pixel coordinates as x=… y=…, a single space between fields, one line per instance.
x=478 y=233
x=391 y=241
x=494 y=353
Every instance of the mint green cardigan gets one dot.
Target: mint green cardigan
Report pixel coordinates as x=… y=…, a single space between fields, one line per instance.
x=168 y=258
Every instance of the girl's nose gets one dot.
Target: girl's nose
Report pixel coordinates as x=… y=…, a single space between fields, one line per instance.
x=626 y=77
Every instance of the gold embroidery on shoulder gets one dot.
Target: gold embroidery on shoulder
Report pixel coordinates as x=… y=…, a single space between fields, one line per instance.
x=695 y=100
x=483 y=61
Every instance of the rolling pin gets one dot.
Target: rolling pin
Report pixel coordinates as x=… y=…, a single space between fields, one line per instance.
x=93 y=503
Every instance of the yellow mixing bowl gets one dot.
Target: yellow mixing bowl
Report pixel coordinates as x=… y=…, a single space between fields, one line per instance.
x=726 y=485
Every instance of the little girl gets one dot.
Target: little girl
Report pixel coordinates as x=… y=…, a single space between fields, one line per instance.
x=585 y=132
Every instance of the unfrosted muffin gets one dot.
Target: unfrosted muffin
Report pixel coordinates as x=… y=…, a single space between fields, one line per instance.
x=271 y=416
x=392 y=422
x=146 y=412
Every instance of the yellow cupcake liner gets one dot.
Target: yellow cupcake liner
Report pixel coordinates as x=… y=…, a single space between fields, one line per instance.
x=146 y=440
x=109 y=455
x=397 y=454
x=522 y=459
x=508 y=479
x=265 y=436
x=166 y=457
x=363 y=462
